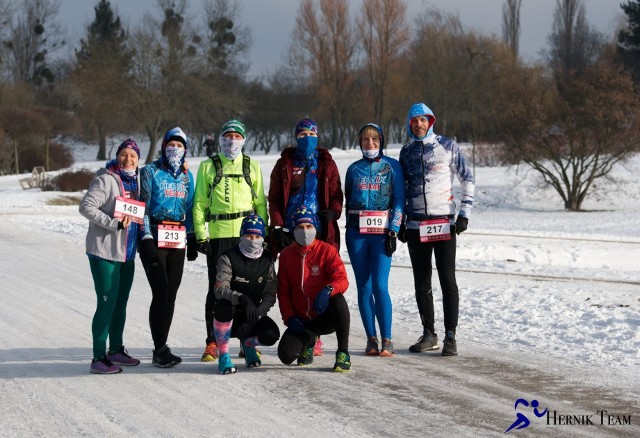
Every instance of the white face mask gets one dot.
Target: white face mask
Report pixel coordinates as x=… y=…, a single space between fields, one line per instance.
x=251 y=248
x=231 y=148
x=174 y=156
x=304 y=236
x=370 y=153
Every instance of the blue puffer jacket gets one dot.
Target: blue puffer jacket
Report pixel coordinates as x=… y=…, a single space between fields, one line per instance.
x=167 y=197
x=429 y=165
x=375 y=185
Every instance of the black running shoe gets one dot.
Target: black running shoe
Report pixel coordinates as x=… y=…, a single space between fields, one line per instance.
x=449 y=347
x=427 y=342
x=163 y=358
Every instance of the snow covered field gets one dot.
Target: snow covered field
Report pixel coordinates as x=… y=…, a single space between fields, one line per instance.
x=549 y=311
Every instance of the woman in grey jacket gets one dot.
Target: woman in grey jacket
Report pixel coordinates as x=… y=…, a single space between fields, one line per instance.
x=111 y=245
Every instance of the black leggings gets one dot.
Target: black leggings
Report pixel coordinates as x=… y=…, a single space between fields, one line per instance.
x=265 y=329
x=335 y=319
x=218 y=246
x=445 y=255
x=165 y=275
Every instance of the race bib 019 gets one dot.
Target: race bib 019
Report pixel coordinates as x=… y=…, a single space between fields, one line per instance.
x=373 y=222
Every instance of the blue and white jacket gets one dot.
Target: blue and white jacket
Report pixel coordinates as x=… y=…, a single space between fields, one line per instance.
x=168 y=197
x=429 y=166
x=375 y=185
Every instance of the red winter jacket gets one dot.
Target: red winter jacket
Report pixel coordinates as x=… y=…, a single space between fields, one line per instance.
x=303 y=273
x=329 y=194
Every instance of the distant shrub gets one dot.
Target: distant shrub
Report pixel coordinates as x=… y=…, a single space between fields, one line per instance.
x=489 y=155
x=60 y=156
x=73 y=181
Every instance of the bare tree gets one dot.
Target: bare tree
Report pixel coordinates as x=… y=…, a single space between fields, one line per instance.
x=582 y=126
x=573 y=43
x=324 y=48
x=437 y=57
x=384 y=35
x=33 y=35
x=164 y=58
x=511 y=25
x=226 y=41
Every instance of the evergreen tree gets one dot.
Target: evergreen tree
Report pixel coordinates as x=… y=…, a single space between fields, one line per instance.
x=628 y=49
x=103 y=63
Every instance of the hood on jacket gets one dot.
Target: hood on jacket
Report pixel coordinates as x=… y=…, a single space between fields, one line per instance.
x=380 y=134
x=420 y=109
x=174 y=134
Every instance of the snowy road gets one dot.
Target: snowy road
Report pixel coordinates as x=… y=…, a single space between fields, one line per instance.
x=47 y=390
x=571 y=344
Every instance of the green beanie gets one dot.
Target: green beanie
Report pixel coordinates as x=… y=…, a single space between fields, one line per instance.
x=233 y=126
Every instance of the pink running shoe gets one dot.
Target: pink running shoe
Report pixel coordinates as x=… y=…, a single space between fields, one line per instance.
x=122 y=358
x=104 y=366
x=317 y=349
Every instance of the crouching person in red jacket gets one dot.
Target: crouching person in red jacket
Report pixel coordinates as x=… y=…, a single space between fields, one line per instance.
x=311 y=283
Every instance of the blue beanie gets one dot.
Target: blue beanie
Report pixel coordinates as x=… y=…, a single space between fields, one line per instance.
x=252 y=224
x=302 y=215
x=306 y=124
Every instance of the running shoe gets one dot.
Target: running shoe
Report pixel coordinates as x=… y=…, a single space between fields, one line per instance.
x=251 y=357
x=387 y=348
x=343 y=362
x=104 y=366
x=449 y=347
x=210 y=353
x=317 y=349
x=306 y=357
x=372 y=347
x=225 y=366
x=427 y=342
x=163 y=358
x=122 y=358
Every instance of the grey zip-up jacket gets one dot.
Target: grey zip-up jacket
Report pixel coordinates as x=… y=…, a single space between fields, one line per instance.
x=104 y=239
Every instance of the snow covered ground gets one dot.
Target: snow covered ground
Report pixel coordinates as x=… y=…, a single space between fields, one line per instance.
x=549 y=311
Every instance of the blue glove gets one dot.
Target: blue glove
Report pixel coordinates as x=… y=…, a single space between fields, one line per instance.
x=321 y=302
x=295 y=324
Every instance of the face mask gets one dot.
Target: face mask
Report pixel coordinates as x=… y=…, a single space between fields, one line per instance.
x=304 y=236
x=370 y=153
x=251 y=248
x=174 y=156
x=231 y=148
x=130 y=173
x=306 y=145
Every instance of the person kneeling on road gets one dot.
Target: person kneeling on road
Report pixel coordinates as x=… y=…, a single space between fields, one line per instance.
x=312 y=281
x=245 y=290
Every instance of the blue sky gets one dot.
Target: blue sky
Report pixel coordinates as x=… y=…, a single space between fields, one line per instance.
x=272 y=21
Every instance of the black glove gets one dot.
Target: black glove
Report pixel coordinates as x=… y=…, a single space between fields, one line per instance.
x=326 y=215
x=249 y=308
x=147 y=250
x=390 y=244
x=402 y=234
x=295 y=324
x=461 y=224
x=192 y=247
x=244 y=330
x=204 y=247
x=281 y=238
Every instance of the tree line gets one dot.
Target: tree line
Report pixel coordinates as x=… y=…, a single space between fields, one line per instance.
x=571 y=115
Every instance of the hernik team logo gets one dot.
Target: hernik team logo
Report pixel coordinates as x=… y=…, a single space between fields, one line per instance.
x=521 y=420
